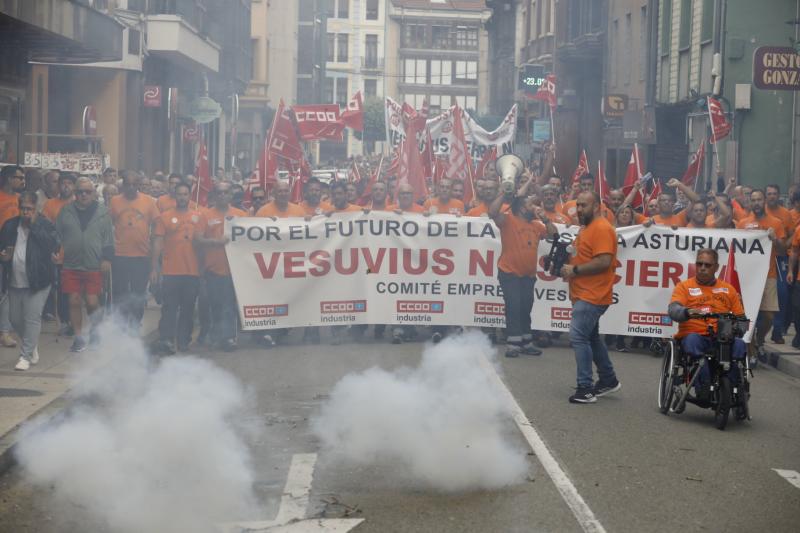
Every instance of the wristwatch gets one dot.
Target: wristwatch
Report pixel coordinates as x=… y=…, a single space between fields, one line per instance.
x=575 y=270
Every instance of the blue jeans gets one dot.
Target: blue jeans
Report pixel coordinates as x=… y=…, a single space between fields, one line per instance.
x=222 y=299
x=782 y=319
x=584 y=332
x=696 y=345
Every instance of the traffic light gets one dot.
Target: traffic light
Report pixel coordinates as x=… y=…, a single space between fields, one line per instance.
x=530 y=78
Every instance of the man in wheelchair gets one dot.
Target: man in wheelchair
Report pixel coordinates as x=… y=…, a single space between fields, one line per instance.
x=691 y=300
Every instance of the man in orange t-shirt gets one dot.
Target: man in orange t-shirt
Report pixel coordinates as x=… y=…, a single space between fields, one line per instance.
x=782 y=318
x=12 y=182
x=312 y=194
x=549 y=203
x=590 y=275
x=760 y=220
x=442 y=203
x=405 y=201
x=219 y=283
x=50 y=210
x=521 y=229
x=166 y=202
x=694 y=297
x=281 y=207
x=340 y=199
x=132 y=214
x=666 y=206
x=174 y=234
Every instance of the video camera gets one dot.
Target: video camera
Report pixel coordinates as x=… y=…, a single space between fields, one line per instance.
x=559 y=255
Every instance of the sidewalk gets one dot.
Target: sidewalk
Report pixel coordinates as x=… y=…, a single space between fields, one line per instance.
x=40 y=390
x=783 y=356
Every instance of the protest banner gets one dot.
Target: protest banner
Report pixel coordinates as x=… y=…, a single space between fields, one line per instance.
x=383 y=268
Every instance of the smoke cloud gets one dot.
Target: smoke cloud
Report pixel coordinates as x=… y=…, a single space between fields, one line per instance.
x=444 y=420
x=147 y=445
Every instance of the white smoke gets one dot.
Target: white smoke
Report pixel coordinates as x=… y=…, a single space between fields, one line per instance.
x=148 y=446
x=444 y=421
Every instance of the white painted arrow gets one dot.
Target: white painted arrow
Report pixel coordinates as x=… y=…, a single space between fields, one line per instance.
x=294 y=505
x=792 y=476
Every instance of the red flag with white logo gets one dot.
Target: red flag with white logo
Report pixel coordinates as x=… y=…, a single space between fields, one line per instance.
x=720 y=127
x=583 y=167
x=203 y=185
x=315 y=122
x=547 y=92
x=353 y=116
x=695 y=166
x=284 y=142
x=460 y=163
x=731 y=275
x=633 y=175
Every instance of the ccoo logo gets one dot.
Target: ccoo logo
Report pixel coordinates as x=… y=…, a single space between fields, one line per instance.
x=266 y=311
x=649 y=319
x=419 y=306
x=490 y=308
x=343 y=306
x=561 y=313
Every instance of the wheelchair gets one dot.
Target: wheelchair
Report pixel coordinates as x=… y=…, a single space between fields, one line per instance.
x=679 y=373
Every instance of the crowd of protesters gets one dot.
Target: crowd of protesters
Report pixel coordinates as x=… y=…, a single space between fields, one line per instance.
x=71 y=247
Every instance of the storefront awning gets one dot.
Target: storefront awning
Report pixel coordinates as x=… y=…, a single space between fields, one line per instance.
x=59 y=31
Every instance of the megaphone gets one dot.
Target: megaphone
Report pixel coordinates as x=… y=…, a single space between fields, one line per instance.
x=509 y=167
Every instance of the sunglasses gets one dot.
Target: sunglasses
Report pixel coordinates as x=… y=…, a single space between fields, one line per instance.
x=702 y=264
x=84 y=191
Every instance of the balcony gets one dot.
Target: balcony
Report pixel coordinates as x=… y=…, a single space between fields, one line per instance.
x=371 y=63
x=172 y=38
x=59 y=31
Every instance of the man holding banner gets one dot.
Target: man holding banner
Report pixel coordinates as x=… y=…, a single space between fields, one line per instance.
x=590 y=275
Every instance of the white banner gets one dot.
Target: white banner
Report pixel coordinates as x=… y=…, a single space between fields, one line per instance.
x=441 y=127
x=383 y=268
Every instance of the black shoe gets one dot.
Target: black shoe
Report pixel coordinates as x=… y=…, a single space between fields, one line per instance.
x=544 y=341
x=78 y=345
x=702 y=393
x=267 y=341
x=436 y=337
x=397 y=339
x=513 y=351
x=602 y=390
x=228 y=345
x=530 y=349
x=167 y=348
x=583 y=395
x=778 y=340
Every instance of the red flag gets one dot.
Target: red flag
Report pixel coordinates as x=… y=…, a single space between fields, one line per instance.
x=284 y=142
x=316 y=122
x=547 y=92
x=601 y=185
x=720 y=127
x=355 y=174
x=460 y=162
x=583 y=167
x=489 y=156
x=366 y=196
x=428 y=156
x=409 y=169
x=266 y=167
x=299 y=178
x=695 y=165
x=203 y=185
x=633 y=175
x=730 y=274
x=654 y=194
x=353 y=116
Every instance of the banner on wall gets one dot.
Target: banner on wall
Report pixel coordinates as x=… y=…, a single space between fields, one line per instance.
x=383 y=268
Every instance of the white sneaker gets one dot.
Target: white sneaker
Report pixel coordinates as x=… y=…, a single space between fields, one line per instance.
x=22 y=364
x=35 y=356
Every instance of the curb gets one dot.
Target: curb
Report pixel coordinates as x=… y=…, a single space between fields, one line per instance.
x=788 y=363
x=8 y=442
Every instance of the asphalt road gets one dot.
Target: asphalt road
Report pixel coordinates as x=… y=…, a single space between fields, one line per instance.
x=635 y=469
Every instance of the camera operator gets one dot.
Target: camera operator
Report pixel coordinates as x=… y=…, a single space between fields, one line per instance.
x=590 y=275
x=695 y=297
x=521 y=229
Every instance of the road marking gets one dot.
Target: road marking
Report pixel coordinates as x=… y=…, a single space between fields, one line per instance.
x=792 y=476
x=583 y=514
x=294 y=505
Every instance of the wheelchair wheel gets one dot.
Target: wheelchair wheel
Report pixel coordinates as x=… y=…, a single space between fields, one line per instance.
x=724 y=404
x=666 y=388
x=743 y=406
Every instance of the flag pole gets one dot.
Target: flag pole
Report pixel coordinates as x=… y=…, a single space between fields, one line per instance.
x=714 y=139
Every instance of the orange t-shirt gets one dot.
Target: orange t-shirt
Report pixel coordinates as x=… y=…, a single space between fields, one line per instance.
x=677 y=219
x=795 y=243
x=215 y=260
x=784 y=215
x=453 y=206
x=556 y=217
x=9 y=207
x=271 y=210
x=597 y=238
x=386 y=207
x=52 y=208
x=133 y=220
x=765 y=222
x=483 y=209
x=179 y=229
x=795 y=217
x=720 y=297
x=570 y=209
x=165 y=202
x=320 y=209
x=415 y=208
x=520 y=240
x=349 y=208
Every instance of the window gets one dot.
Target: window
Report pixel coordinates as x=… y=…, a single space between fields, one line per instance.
x=330 y=10
x=371 y=51
x=414 y=36
x=344 y=9
x=415 y=71
x=329 y=96
x=466 y=38
x=435 y=104
x=341 y=43
x=441 y=72
x=134 y=41
x=467 y=102
x=254 y=70
x=613 y=57
x=627 y=50
x=341 y=92
x=643 y=35
x=707 y=28
x=331 y=46
x=538 y=11
x=370 y=88
x=440 y=37
x=685 y=36
x=666 y=27
x=548 y=13
x=372 y=9
x=466 y=72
